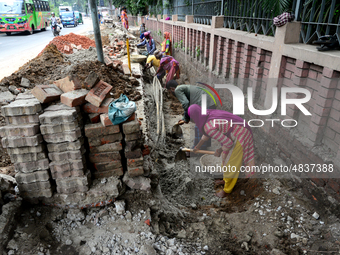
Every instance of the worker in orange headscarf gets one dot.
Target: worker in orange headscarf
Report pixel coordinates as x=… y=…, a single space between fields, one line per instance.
x=166 y=44
x=124 y=18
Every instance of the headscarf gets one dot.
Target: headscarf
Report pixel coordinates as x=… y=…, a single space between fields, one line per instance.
x=195 y=113
x=167 y=37
x=148 y=36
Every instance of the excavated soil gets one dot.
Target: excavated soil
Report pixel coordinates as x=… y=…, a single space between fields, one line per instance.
x=38 y=69
x=121 y=84
x=175 y=105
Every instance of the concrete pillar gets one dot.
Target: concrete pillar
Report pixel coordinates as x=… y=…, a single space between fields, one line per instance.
x=217 y=21
x=159 y=16
x=175 y=17
x=189 y=19
x=165 y=16
x=289 y=33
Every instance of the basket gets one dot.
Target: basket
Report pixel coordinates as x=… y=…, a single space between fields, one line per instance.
x=137 y=58
x=210 y=160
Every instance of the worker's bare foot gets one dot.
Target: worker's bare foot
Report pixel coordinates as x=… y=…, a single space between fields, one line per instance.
x=219 y=182
x=221 y=194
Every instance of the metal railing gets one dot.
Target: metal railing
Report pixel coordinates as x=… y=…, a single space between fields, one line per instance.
x=318 y=18
x=203 y=11
x=248 y=16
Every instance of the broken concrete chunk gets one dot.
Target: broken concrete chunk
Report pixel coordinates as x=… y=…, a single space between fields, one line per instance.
x=120 y=206
x=140 y=182
x=6 y=97
x=25 y=83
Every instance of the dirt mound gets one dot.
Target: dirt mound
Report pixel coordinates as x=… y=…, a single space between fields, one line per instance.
x=37 y=69
x=67 y=40
x=120 y=83
x=175 y=105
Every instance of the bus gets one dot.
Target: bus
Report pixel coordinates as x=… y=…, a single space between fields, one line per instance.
x=24 y=15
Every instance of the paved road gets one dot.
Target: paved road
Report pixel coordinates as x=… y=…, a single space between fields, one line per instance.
x=18 y=48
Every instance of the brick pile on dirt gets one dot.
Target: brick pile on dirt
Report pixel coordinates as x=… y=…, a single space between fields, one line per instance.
x=67 y=40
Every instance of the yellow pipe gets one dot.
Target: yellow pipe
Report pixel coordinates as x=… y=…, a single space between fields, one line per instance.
x=128 y=53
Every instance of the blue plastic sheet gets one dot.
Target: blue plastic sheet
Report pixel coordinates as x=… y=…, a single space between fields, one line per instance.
x=121 y=109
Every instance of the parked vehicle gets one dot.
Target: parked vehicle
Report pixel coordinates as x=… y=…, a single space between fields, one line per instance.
x=68 y=18
x=79 y=17
x=23 y=15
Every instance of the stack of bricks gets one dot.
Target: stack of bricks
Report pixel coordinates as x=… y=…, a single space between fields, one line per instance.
x=105 y=144
x=61 y=127
x=25 y=146
x=132 y=150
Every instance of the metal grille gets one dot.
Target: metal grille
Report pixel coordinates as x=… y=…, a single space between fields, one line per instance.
x=318 y=17
x=248 y=16
x=204 y=10
x=182 y=8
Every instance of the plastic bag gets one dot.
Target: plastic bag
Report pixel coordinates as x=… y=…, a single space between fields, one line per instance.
x=121 y=109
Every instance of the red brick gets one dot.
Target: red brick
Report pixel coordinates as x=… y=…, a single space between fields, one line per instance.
x=121 y=43
x=116 y=63
x=113 y=172
x=104 y=107
x=334 y=184
x=91 y=80
x=104 y=119
x=46 y=93
x=131 y=118
x=108 y=61
x=101 y=140
x=133 y=154
x=68 y=84
x=74 y=98
x=97 y=95
x=126 y=70
x=94 y=117
x=135 y=171
x=136 y=162
x=107 y=166
x=104 y=157
x=95 y=130
x=109 y=147
x=67 y=49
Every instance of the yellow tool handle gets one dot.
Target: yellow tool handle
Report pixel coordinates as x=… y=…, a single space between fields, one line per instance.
x=199 y=151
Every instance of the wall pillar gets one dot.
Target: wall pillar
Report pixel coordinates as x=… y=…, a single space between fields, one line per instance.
x=289 y=33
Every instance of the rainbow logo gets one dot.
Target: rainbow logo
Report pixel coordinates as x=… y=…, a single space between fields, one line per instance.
x=209 y=93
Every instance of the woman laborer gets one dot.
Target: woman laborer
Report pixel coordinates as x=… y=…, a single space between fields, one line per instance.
x=167 y=65
x=149 y=42
x=166 y=44
x=124 y=18
x=236 y=140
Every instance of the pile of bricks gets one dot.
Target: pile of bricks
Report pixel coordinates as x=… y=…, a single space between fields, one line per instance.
x=105 y=145
x=61 y=127
x=25 y=146
x=132 y=150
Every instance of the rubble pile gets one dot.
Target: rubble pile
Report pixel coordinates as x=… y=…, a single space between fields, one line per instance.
x=66 y=43
x=60 y=111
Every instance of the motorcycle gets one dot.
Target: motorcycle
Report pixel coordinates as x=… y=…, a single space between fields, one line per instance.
x=56 y=28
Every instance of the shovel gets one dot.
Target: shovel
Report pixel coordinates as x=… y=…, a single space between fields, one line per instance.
x=177 y=130
x=181 y=154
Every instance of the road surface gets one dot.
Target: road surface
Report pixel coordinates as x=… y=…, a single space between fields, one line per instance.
x=19 y=48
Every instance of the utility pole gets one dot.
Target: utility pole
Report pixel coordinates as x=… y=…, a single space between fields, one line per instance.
x=96 y=29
